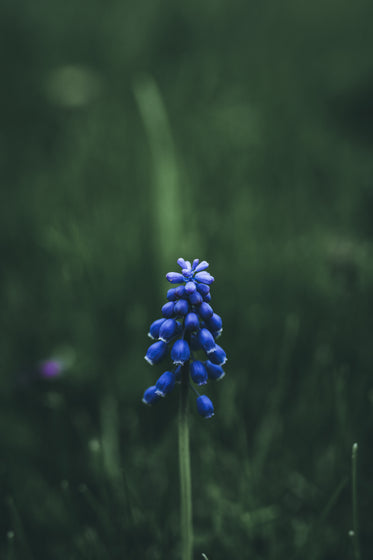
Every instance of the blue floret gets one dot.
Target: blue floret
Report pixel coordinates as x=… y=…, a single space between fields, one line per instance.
x=205 y=407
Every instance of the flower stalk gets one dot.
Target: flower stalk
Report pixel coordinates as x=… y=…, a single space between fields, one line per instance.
x=185 y=470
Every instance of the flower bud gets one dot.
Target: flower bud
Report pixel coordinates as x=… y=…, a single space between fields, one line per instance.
x=154 y=328
x=218 y=356
x=168 y=309
x=204 y=277
x=195 y=298
x=181 y=262
x=180 y=291
x=150 y=395
x=205 y=407
x=214 y=372
x=203 y=289
x=195 y=262
x=206 y=340
x=156 y=352
x=202 y=266
x=191 y=322
x=190 y=288
x=165 y=383
x=198 y=372
x=180 y=352
x=175 y=277
x=215 y=322
x=167 y=330
x=205 y=310
x=181 y=307
x=171 y=294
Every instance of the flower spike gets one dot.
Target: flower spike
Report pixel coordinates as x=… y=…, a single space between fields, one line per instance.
x=186 y=333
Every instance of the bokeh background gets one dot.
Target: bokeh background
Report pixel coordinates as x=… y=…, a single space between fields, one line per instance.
x=133 y=133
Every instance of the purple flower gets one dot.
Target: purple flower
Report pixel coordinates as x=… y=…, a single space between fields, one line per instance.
x=50 y=368
x=187 y=329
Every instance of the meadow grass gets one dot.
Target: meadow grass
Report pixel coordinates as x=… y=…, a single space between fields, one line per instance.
x=242 y=135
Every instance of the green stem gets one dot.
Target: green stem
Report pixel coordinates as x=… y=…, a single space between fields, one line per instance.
x=354 y=532
x=185 y=471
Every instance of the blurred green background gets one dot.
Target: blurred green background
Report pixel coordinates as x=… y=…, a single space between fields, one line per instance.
x=133 y=133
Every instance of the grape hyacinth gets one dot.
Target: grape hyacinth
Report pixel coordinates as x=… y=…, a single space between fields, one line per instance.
x=188 y=326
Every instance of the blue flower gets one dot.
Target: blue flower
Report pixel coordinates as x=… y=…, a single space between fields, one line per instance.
x=188 y=328
x=154 y=328
x=168 y=309
x=214 y=371
x=205 y=278
x=156 y=352
x=180 y=352
x=181 y=307
x=205 y=407
x=191 y=322
x=206 y=340
x=167 y=330
x=195 y=298
x=172 y=294
x=218 y=356
x=165 y=383
x=215 y=324
x=198 y=372
x=175 y=277
x=205 y=310
x=203 y=289
x=190 y=288
x=151 y=396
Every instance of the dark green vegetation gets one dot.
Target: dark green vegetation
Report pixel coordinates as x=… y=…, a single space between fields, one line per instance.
x=133 y=133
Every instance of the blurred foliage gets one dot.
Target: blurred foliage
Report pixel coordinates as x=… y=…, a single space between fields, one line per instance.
x=137 y=132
